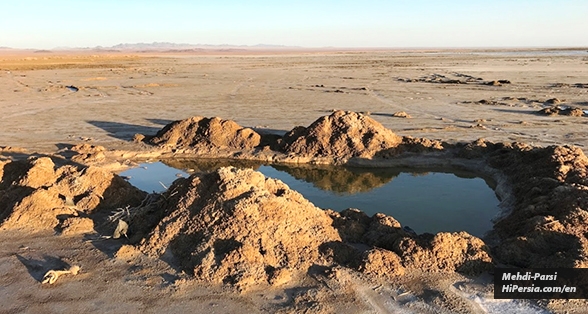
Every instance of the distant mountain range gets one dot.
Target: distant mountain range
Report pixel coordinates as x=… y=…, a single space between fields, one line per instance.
x=168 y=46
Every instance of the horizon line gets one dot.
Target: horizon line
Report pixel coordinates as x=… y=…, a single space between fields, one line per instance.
x=184 y=46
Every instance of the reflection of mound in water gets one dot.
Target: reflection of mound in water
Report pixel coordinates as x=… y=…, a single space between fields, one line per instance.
x=209 y=164
x=350 y=180
x=235 y=226
x=340 y=179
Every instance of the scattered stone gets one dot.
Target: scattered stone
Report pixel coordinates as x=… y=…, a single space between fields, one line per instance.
x=72 y=88
x=553 y=101
x=576 y=112
x=138 y=138
x=401 y=114
x=493 y=83
x=552 y=111
x=562 y=110
x=478 y=126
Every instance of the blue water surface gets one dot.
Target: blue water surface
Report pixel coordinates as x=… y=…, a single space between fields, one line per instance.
x=431 y=201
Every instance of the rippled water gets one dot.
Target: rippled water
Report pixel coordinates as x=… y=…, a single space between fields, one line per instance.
x=432 y=201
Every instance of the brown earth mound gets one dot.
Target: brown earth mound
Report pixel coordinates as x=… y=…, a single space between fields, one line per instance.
x=341 y=135
x=35 y=195
x=206 y=133
x=566 y=111
x=443 y=252
x=413 y=145
x=86 y=153
x=401 y=114
x=237 y=227
x=548 y=225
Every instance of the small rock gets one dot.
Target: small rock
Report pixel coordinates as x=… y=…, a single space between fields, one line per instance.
x=401 y=114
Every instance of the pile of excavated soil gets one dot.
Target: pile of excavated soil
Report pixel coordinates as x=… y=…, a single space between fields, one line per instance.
x=36 y=195
x=567 y=111
x=86 y=153
x=548 y=225
x=237 y=227
x=442 y=252
x=341 y=135
x=413 y=145
x=206 y=133
x=548 y=222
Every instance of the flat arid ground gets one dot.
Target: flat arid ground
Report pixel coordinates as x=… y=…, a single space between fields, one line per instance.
x=52 y=101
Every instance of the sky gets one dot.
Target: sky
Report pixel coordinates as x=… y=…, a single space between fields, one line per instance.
x=47 y=24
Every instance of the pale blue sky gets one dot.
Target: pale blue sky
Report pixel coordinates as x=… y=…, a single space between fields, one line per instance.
x=369 y=23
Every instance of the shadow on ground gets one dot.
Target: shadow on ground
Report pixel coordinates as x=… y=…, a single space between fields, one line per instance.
x=160 y=121
x=123 y=131
x=38 y=267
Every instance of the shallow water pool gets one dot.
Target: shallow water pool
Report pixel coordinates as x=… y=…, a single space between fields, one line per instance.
x=426 y=201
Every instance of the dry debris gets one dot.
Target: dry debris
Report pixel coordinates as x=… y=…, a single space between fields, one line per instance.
x=52 y=275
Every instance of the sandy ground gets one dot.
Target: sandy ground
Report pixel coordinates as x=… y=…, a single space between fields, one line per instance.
x=122 y=95
x=119 y=95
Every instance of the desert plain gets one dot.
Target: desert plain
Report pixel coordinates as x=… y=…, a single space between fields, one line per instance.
x=53 y=101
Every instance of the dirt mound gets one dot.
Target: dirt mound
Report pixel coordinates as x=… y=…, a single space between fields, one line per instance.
x=401 y=114
x=236 y=227
x=86 y=153
x=443 y=252
x=35 y=195
x=413 y=145
x=562 y=110
x=381 y=263
x=548 y=223
x=206 y=133
x=341 y=135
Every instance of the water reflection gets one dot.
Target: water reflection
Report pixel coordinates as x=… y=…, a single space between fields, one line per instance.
x=349 y=180
x=209 y=164
x=340 y=180
x=430 y=200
